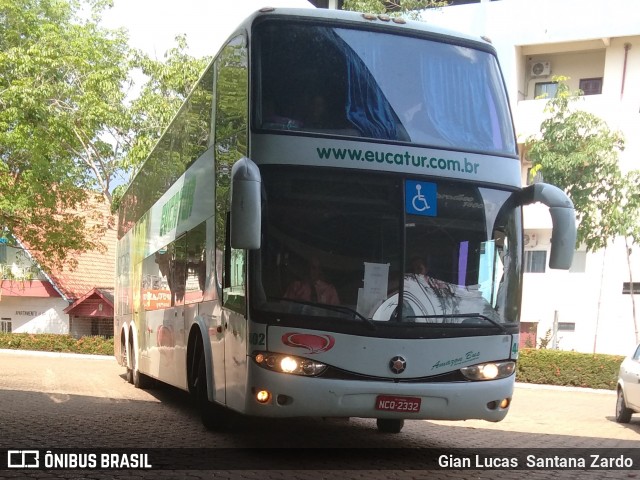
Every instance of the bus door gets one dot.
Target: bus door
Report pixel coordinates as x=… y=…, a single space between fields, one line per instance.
x=234 y=319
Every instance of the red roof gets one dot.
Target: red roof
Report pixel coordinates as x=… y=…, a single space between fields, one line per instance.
x=96 y=269
x=94 y=303
x=27 y=288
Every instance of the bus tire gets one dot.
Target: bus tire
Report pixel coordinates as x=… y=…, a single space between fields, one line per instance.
x=389 y=425
x=131 y=357
x=124 y=357
x=142 y=381
x=213 y=416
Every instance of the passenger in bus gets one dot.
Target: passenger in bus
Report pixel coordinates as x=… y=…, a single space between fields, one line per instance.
x=318 y=115
x=313 y=288
x=420 y=270
x=418 y=266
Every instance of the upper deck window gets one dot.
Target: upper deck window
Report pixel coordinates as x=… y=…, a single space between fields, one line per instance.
x=358 y=83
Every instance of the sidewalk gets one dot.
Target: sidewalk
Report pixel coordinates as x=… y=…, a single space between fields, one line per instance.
x=38 y=353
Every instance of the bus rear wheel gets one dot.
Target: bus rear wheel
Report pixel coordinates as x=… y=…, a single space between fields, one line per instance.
x=213 y=416
x=130 y=355
x=389 y=425
x=142 y=381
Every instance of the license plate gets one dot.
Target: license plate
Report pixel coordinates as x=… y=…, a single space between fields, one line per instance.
x=391 y=403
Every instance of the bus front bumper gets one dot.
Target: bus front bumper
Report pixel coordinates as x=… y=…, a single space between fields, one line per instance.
x=294 y=396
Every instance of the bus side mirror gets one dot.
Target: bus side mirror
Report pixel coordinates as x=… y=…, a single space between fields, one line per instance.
x=563 y=217
x=245 y=205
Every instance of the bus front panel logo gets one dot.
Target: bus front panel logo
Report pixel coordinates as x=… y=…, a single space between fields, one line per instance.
x=397 y=365
x=312 y=343
x=421 y=198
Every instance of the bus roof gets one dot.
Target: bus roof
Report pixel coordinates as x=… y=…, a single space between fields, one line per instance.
x=383 y=22
x=387 y=22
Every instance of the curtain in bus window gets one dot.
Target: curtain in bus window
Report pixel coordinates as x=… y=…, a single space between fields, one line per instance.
x=367 y=108
x=459 y=98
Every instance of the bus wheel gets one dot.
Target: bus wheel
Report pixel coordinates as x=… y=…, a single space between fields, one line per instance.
x=389 y=425
x=130 y=355
x=213 y=416
x=142 y=381
x=123 y=356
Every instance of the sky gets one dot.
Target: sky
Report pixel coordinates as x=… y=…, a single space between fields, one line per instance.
x=154 y=24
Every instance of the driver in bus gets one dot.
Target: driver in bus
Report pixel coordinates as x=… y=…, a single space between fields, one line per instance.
x=420 y=270
x=313 y=288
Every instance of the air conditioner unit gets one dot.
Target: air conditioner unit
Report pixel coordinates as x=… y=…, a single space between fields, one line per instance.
x=530 y=240
x=540 y=69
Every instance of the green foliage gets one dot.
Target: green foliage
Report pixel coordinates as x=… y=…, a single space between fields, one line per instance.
x=57 y=343
x=543 y=342
x=168 y=84
x=577 y=152
x=410 y=8
x=67 y=128
x=61 y=101
x=555 y=367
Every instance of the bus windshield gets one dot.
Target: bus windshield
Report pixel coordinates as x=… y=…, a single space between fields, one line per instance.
x=356 y=245
x=358 y=83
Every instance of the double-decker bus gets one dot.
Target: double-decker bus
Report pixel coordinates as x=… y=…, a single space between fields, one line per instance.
x=331 y=226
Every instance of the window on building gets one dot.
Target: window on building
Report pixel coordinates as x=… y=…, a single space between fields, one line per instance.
x=535 y=261
x=591 y=86
x=579 y=263
x=566 y=326
x=545 y=89
x=626 y=288
x=5 y=325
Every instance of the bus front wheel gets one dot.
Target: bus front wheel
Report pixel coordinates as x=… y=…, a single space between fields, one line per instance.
x=213 y=416
x=389 y=425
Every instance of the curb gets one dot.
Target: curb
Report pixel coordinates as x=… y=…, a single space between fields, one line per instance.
x=37 y=353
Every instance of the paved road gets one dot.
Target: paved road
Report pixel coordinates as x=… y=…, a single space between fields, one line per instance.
x=52 y=401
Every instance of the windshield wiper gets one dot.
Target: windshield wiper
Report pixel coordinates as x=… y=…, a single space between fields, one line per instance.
x=333 y=308
x=464 y=315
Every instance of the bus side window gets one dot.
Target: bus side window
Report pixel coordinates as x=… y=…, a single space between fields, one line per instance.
x=230 y=144
x=233 y=295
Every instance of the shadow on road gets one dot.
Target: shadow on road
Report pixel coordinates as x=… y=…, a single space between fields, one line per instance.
x=41 y=420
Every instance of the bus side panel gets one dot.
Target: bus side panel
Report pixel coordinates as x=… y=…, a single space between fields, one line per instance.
x=166 y=345
x=211 y=326
x=235 y=359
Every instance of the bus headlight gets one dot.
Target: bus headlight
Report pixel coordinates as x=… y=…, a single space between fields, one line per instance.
x=489 y=370
x=279 y=362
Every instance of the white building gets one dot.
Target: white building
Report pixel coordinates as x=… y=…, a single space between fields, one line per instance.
x=64 y=301
x=597 y=45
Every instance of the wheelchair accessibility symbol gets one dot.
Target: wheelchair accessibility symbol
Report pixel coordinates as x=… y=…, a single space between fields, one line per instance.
x=421 y=198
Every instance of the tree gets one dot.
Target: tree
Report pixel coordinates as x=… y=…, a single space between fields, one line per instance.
x=61 y=104
x=67 y=130
x=578 y=152
x=411 y=8
x=167 y=85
